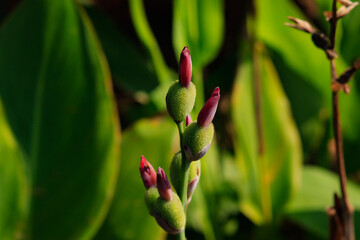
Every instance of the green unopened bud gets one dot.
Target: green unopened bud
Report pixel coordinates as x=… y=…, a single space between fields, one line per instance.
x=194 y=177
x=175 y=172
x=194 y=170
x=170 y=215
x=180 y=100
x=197 y=140
x=151 y=195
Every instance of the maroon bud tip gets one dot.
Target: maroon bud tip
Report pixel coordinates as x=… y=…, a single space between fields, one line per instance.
x=188 y=120
x=207 y=113
x=163 y=185
x=185 y=68
x=147 y=173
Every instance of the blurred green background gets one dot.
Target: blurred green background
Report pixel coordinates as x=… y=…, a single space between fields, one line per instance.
x=82 y=96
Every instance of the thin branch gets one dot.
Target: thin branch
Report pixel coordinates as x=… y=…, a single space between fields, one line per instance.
x=344 y=212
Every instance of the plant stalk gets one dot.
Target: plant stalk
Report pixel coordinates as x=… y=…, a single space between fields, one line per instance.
x=182 y=191
x=344 y=210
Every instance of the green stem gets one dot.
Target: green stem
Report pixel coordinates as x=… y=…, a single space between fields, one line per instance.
x=184 y=176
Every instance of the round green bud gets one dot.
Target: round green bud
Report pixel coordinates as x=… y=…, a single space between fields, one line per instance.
x=151 y=195
x=197 y=140
x=180 y=100
x=175 y=170
x=170 y=215
x=194 y=171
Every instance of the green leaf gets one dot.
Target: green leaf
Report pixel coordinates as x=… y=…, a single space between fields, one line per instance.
x=200 y=26
x=142 y=27
x=294 y=47
x=305 y=74
x=128 y=217
x=14 y=190
x=349 y=48
x=56 y=92
x=303 y=69
x=266 y=183
x=316 y=194
x=128 y=65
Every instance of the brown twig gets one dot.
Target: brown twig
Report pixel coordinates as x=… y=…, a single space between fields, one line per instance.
x=344 y=212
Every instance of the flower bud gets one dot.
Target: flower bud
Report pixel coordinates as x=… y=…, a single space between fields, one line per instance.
x=188 y=120
x=170 y=215
x=163 y=185
x=150 y=196
x=194 y=177
x=197 y=140
x=185 y=68
x=175 y=170
x=180 y=100
x=148 y=173
x=207 y=113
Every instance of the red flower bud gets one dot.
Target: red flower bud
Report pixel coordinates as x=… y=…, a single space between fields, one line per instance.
x=148 y=173
x=207 y=113
x=163 y=185
x=185 y=68
x=188 y=120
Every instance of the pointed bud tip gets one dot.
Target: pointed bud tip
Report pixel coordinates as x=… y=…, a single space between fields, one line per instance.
x=163 y=185
x=207 y=113
x=147 y=173
x=185 y=67
x=216 y=92
x=143 y=161
x=188 y=120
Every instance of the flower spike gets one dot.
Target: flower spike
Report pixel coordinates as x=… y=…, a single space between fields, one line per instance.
x=148 y=173
x=185 y=67
x=208 y=111
x=163 y=185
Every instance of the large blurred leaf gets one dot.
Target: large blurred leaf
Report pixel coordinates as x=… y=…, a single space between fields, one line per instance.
x=316 y=194
x=351 y=35
x=13 y=185
x=142 y=27
x=130 y=69
x=129 y=218
x=294 y=48
x=267 y=183
x=305 y=73
x=303 y=68
x=56 y=93
x=200 y=26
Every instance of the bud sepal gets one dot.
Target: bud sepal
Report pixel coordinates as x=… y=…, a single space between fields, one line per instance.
x=163 y=185
x=185 y=67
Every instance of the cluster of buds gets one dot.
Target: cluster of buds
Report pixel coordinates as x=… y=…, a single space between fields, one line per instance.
x=161 y=202
x=161 y=196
